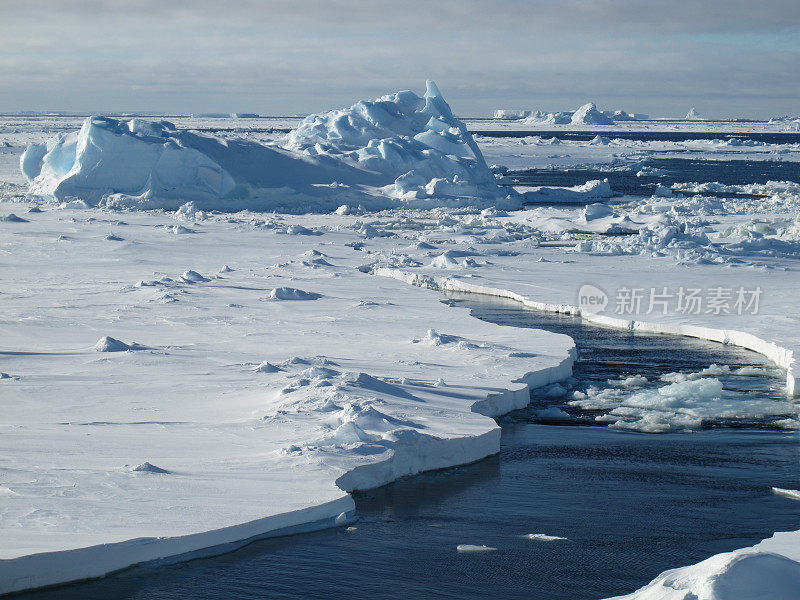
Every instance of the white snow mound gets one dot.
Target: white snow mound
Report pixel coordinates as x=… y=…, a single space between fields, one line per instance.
x=110 y=344
x=289 y=293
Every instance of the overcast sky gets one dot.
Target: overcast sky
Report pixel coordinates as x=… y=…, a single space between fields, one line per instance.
x=724 y=57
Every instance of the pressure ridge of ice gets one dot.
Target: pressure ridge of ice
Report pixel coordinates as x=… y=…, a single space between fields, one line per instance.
x=401 y=149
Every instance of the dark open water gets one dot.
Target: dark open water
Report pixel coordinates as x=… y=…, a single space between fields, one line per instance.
x=671 y=170
x=647 y=136
x=631 y=505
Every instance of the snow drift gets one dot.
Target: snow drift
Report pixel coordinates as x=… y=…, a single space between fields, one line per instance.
x=398 y=149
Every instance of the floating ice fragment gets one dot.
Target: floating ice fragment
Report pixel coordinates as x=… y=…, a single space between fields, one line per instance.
x=552 y=413
x=750 y=371
x=632 y=381
x=555 y=390
x=543 y=537
x=12 y=218
x=473 y=548
x=663 y=192
x=793 y=494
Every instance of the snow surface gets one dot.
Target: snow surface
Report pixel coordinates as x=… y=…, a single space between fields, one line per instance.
x=350 y=400
x=231 y=391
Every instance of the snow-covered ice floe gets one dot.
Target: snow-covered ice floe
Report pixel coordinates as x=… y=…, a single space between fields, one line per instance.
x=401 y=149
x=474 y=548
x=285 y=380
x=767 y=571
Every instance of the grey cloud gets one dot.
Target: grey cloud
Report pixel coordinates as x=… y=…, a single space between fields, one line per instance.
x=299 y=56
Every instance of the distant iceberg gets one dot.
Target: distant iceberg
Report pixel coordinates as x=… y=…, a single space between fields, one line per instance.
x=511 y=115
x=589 y=115
x=693 y=115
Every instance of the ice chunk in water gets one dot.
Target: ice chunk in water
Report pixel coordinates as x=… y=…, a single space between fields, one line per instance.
x=543 y=537
x=473 y=548
x=793 y=494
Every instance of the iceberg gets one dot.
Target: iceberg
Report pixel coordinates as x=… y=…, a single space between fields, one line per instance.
x=414 y=143
x=394 y=150
x=589 y=115
x=511 y=115
x=693 y=115
x=556 y=118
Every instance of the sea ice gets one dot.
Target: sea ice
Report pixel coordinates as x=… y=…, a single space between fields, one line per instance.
x=793 y=494
x=474 y=548
x=543 y=537
x=740 y=575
